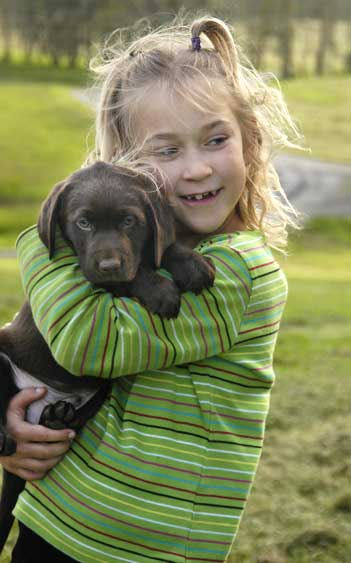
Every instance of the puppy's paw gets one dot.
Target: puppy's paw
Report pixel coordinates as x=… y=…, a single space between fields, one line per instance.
x=197 y=273
x=163 y=300
x=58 y=415
x=8 y=445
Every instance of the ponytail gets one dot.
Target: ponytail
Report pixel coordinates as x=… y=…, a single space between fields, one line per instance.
x=222 y=41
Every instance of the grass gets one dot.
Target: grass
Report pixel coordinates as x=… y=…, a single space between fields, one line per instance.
x=41 y=71
x=10 y=289
x=43 y=138
x=322 y=108
x=300 y=507
x=43 y=133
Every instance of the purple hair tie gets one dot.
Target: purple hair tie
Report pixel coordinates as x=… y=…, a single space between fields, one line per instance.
x=196 y=43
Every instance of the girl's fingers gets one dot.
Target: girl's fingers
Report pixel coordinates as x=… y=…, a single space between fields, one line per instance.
x=28 y=475
x=21 y=400
x=28 y=468
x=43 y=451
x=31 y=464
x=37 y=433
x=23 y=431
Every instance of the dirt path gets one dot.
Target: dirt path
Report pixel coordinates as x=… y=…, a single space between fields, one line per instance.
x=315 y=187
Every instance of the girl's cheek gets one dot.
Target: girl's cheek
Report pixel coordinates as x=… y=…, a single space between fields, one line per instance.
x=166 y=173
x=170 y=177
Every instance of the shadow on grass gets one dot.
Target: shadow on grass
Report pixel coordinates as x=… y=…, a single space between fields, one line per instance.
x=25 y=72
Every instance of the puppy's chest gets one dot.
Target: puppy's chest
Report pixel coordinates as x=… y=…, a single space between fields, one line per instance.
x=22 y=380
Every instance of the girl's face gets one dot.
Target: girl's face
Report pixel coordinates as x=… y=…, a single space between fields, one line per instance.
x=201 y=155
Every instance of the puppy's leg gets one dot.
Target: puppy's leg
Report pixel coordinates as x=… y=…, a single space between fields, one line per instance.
x=12 y=486
x=159 y=294
x=190 y=270
x=8 y=389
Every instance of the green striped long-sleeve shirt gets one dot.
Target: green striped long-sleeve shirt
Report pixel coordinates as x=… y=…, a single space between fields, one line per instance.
x=163 y=471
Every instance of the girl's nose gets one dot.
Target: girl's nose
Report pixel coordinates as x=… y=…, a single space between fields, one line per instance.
x=196 y=167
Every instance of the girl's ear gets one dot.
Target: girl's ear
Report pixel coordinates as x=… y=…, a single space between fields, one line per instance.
x=161 y=220
x=49 y=216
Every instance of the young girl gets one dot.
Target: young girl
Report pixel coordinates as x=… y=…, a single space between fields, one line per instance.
x=164 y=470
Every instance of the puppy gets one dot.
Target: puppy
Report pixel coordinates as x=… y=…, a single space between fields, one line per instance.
x=122 y=230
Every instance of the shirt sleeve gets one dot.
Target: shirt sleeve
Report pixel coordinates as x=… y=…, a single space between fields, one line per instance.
x=90 y=332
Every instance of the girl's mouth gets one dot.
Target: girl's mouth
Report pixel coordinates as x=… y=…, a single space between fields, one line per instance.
x=198 y=198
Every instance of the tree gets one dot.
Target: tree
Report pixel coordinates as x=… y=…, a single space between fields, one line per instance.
x=29 y=25
x=286 y=38
x=326 y=26
x=67 y=27
x=6 y=27
x=348 y=53
x=260 y=25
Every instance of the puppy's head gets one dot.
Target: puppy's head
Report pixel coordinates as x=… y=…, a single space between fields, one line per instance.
x=114 y=219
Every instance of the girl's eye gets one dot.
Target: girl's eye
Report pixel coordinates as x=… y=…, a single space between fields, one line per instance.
x=218 y=140
x=84 y=224
x=129 y=221
x=166 y=151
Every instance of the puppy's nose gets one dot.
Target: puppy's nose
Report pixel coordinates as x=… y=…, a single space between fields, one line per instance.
x=109 y=265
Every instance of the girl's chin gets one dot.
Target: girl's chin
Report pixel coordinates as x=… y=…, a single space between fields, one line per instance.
x=196 y=231
x=191 y=235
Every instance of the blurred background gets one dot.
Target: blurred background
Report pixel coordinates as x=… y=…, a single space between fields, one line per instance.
x=300 y=507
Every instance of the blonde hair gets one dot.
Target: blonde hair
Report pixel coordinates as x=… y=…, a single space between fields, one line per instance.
x=127 y=67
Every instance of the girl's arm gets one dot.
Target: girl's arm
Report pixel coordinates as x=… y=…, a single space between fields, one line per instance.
x=90 y=332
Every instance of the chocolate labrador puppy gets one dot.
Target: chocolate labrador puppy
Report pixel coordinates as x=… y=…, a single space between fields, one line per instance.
x=122 y=230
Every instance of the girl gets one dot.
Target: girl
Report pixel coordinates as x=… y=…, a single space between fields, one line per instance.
x=163 y=471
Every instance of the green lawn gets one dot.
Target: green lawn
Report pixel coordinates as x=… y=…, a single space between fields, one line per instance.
x=300 y=507
x=11 y=293
x=322 y=108
x=43 y=137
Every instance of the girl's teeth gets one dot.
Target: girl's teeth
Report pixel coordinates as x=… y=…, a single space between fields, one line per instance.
x=198 y=197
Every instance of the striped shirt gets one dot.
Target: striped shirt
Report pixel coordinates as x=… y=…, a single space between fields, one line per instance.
x=163 y=471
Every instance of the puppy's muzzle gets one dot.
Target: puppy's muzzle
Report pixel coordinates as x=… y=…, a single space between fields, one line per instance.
x=110 y=268
x=109 y=265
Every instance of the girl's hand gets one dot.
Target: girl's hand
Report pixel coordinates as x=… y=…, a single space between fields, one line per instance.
x=39 y=449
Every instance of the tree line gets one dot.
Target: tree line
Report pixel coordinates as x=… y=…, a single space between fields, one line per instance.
x=65 y=30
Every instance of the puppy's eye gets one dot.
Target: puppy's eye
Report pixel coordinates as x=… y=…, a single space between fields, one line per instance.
x=128 y=221
x=84 y=224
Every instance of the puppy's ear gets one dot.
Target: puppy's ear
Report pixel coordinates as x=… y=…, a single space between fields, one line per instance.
x=160 y=218
x=49 y=216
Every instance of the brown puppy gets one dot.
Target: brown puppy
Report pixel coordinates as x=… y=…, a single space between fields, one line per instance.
x=122 y=229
